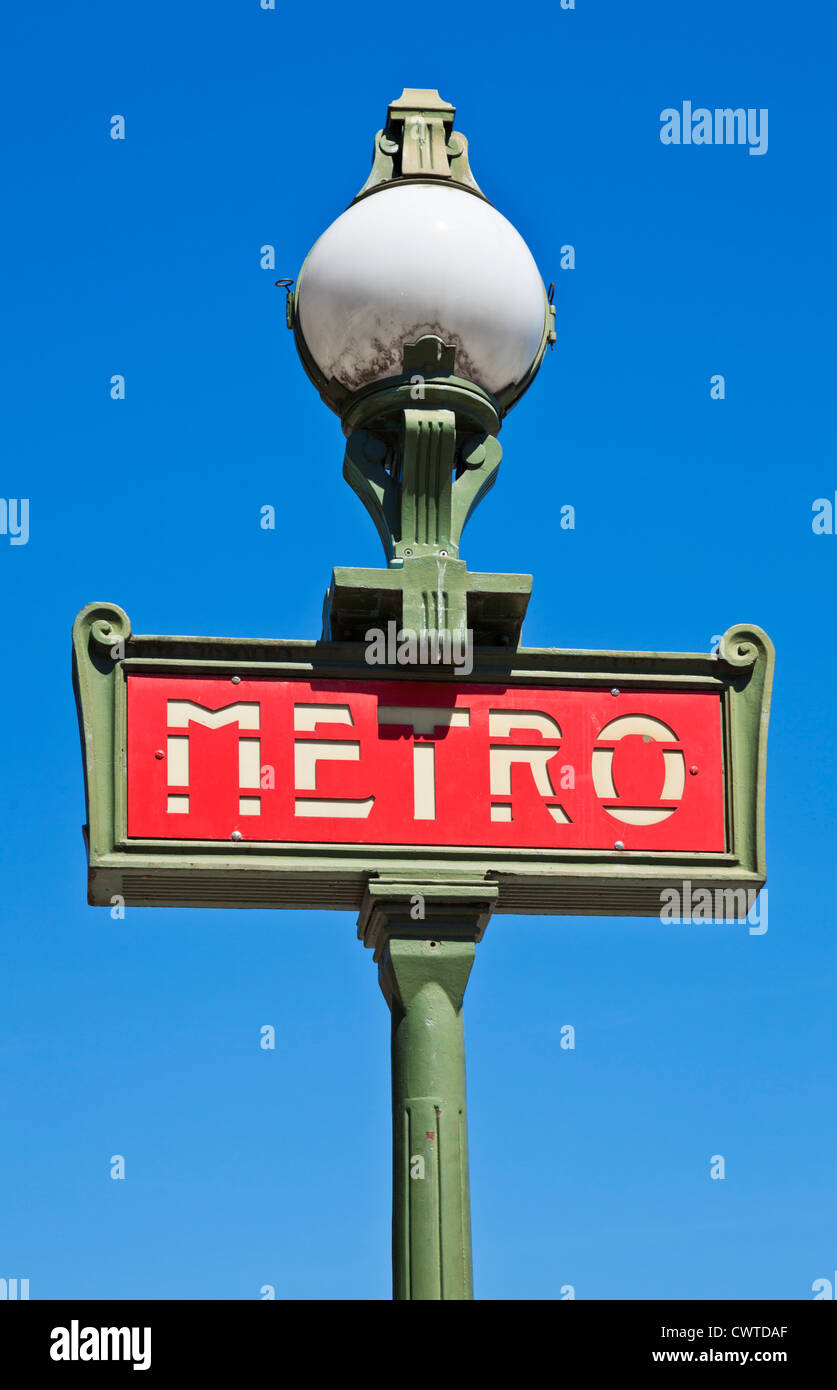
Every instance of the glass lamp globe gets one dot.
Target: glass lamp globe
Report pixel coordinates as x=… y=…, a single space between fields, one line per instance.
x=421 y=259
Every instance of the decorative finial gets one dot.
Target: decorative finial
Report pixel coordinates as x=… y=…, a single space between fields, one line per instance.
x=419 y=142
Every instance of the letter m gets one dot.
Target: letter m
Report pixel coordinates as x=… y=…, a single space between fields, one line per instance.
x=182 y=713
x=115 y=1344
x=731 y=126
x=731 y=904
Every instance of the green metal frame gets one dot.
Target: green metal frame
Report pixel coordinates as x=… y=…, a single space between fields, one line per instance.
x=175 y=873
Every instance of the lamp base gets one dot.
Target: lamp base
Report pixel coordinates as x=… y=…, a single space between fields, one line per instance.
x=427 y=594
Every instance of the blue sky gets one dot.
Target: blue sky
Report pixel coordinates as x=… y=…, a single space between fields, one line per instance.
x=141 y=257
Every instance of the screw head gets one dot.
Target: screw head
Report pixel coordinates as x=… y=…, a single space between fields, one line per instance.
x=236 y=835
x=159 y=753
x=236 y=680
x=693 y=771
x=615 y=690
x=619 y=844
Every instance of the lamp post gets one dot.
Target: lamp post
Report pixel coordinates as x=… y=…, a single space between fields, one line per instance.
x=430 y=797
x=421 y=318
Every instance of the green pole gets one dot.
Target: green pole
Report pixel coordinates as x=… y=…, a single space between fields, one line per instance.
x=424 y=938
x=431 y=1215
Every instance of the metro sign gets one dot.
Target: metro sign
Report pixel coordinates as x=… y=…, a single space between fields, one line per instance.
x=223 y=772
x=408 y=763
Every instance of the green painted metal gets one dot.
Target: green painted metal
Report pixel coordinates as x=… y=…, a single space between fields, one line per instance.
x=424 y=939
x=420 y=471
x=748 y=652
x=581 y=882
x=421 y=450
x=99 y=635
x=445 y=471
x=419 y=143
x=431 y=1200
x=415 y=592
x=378 y=406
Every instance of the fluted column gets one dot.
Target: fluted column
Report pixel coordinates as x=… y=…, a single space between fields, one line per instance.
x=424 y=939
x=431 y=1214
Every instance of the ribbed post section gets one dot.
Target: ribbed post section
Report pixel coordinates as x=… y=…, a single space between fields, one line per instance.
x=424 y=937
x=431 y=1217
x=426 y=487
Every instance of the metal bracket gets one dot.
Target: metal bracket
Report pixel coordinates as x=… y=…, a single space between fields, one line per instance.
x=419 y=142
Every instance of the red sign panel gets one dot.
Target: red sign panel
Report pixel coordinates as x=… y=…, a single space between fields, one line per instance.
x=401 y=763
